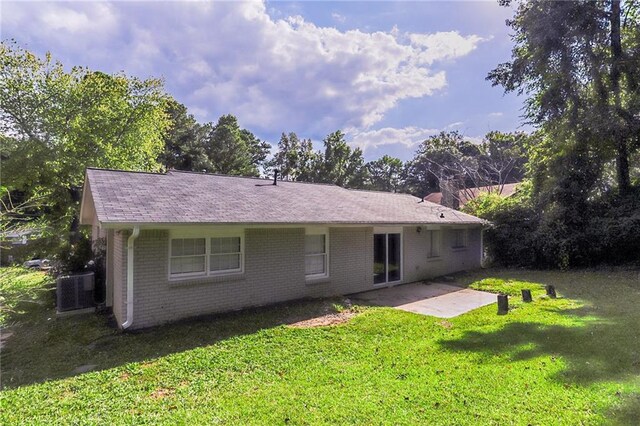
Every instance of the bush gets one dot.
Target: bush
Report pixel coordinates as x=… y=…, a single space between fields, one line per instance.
x=85 y=256
x=73 y=257
x=605 y=230
x=509 y=238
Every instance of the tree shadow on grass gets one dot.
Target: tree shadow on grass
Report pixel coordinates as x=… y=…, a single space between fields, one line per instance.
x=43 y=347
x=597 y=351
x=598 y=339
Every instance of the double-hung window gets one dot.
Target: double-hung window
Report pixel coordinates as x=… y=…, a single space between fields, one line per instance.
x=207 y=255
x=433 y=244
x=225 y=255
x=459 y=240
x=188 y=257
x=316 y=255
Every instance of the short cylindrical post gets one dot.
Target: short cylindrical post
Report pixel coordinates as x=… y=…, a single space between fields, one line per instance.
x=526 y=296
x=503 y=304
x=551 y=291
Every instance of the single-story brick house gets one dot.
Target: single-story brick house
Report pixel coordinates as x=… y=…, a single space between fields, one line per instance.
x=182 y=244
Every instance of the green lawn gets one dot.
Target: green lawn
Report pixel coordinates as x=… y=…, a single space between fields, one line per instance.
x=20 y=287
x=573 y=360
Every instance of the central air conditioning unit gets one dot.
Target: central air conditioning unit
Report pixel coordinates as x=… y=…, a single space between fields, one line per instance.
x=75 y=292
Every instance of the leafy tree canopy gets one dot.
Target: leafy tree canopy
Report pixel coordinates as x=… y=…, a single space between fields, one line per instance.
x=56 y=123
x=385 y=174
x=215 y=148
x=579 y=64
x=183 y=141
x=446 y=156
x=295 y=159
x=231 y=150
x=340 y=164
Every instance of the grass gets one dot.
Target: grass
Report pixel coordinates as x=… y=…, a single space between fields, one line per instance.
x=509 y=287
x=572 y=360
x=20 y=287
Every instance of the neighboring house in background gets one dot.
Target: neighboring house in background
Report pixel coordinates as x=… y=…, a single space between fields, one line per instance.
x=183 y=244
x=463 y=196
x=14 y=244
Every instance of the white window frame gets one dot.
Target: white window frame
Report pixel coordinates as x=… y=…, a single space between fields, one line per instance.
x=207 y=235
x=318 y=231
x=438 y=246
x=238 y=270
x=465 y=240
x=187 y=274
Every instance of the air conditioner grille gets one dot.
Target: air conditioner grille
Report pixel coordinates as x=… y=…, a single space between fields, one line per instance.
x=75 y=291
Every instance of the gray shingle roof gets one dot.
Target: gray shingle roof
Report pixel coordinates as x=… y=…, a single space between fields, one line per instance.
x=184 y=197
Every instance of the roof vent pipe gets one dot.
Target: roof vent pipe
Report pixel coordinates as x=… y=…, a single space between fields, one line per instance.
x=275 y=176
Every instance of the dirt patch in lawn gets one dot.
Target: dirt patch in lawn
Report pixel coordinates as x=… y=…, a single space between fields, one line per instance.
x=324 y=320
x=446 y=324
x=161 y=393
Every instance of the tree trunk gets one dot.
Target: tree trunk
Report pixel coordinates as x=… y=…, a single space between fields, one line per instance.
x=622 y=155
x=74 y=229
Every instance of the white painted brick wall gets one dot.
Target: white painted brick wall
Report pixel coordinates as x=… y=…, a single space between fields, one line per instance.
x=274 y=272
x=418 y=267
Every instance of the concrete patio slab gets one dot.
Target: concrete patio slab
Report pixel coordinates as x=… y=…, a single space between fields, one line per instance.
x=435 y=299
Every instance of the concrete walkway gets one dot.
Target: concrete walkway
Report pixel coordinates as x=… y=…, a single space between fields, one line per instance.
x=435 y=299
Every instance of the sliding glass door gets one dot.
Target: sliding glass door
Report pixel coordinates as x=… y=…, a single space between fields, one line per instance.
x=379 y=258
x=387 y=257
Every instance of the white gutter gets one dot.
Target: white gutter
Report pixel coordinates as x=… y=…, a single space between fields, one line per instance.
x=482 y=247
x=132 y=237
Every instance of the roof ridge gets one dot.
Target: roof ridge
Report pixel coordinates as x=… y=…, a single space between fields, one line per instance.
x=104 y=169
x=168 y=172
x=378 y=191
x=193 y=172
x=253 y=177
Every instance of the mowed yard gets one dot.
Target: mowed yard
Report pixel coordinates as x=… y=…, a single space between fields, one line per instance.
x=573 y=360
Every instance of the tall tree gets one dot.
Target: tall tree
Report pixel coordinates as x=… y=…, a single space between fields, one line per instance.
x=340 y=164
x=183 y=141
x=295 y=159
x=55 y=123
x=308 y=160
x=443 y=159
x=578 y=63
x=232 y=150
x=287 y=159
x=503 y=158
x=385 y=174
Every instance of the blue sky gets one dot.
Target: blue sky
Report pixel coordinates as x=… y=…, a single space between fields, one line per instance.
x=389 y=74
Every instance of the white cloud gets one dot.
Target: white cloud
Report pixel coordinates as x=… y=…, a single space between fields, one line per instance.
x=443 y=45
x=407 y=136
x=66 y=19
x=231 y=57
x=454 y=125
x=338 y=18
x=77 y=20
x=496 y=114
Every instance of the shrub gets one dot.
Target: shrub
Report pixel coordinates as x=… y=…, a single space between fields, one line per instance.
x=605 y=230
x=509 y=238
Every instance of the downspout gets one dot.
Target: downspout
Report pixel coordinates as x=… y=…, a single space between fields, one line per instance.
x=482 y=259
x=132 y=238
